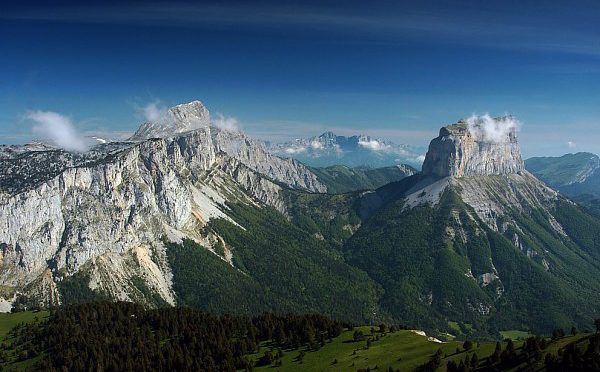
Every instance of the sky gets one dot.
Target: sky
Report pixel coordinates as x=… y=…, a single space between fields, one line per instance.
x=396 y=70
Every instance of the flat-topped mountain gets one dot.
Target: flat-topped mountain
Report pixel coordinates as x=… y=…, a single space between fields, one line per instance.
x=476 y=237
x=477 y=146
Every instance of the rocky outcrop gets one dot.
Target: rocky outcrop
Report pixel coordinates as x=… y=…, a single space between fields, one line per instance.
x=179 y=119
x=105 y=212
x=477 y=147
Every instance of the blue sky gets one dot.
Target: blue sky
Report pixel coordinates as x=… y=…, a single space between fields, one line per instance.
x=395 y=70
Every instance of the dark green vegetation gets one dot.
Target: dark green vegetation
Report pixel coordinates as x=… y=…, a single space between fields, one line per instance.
x=341 y=179
x=75 y=289
x=10 y=354
x=364 y=257
x=278 y=267
x=126 y=337
x=330 y=217
x=442 y=263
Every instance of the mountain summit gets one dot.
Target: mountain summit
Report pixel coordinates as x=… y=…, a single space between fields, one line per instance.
x=478 y=146
x=179 y=119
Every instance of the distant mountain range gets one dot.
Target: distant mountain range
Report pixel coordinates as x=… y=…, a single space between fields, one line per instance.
x=575 y=175
x=330 y=149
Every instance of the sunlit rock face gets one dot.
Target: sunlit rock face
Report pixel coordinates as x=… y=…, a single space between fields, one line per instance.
x=104 y=212
x=178 y=119
x=476 y=147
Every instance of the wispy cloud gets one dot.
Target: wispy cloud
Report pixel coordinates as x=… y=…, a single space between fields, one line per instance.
x=486 y=27
x=152 y=112
x=58 y=129
x=228 y=123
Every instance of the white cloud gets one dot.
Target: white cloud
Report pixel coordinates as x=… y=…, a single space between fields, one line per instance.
x=58 y=129
x=372 y=144
x=295 y=150
x=154 y=112
x=571 y=144
x=227 y=123
x=487 y=129
x=316 y=145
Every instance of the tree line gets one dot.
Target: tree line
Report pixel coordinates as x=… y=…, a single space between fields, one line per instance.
x=123 y=336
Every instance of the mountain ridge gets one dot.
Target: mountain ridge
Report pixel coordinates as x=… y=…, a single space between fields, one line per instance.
x=106 y=210
x=203 y=217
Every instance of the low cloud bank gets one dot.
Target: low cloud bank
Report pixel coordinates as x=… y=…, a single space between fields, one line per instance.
x=372 y=144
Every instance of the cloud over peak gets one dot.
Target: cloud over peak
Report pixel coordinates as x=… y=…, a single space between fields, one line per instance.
x=373 y=144
x=57 y=129
x=227 y=123
x=495 y=130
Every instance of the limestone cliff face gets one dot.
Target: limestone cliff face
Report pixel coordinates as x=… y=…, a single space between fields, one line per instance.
x=481 y=159
x=465 y=149
x=104 y=212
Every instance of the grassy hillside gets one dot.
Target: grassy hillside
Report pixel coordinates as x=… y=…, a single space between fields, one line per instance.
x=9 y=320
x=405 y=350
x=11 y=357
x=125 y=336
x=438 y=268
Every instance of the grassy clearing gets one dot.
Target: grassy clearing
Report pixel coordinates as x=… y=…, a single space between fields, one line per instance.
x=11 y=360
x=515 y=335
x=404 y=350
x=9 y=320
x=401 y=350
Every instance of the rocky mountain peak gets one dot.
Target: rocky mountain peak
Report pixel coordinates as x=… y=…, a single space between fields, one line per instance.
x=477 y=146
x=328 y=135
x=178 y=119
